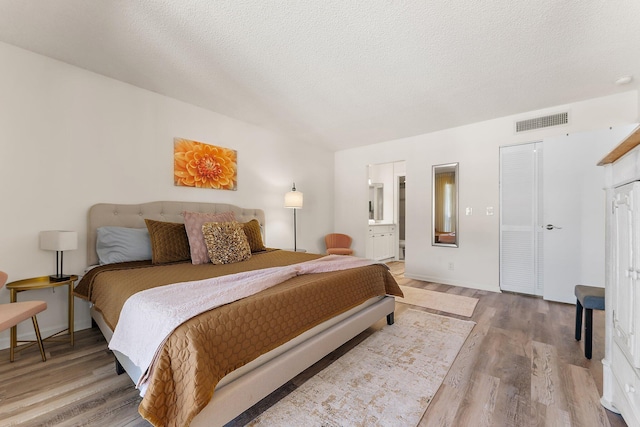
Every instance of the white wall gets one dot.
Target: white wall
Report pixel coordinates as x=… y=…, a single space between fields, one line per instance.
x=476 y=148
x=71 y=138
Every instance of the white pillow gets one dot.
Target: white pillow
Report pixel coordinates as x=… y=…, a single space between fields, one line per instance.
x=122 y=244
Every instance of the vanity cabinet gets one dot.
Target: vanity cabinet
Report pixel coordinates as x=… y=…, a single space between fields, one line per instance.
x=381 y=242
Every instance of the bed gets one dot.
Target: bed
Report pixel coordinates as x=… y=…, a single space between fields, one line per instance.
x=278 y=342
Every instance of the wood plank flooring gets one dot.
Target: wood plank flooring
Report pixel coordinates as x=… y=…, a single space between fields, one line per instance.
x=519 y=367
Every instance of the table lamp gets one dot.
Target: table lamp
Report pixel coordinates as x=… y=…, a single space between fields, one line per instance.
x=59 y=241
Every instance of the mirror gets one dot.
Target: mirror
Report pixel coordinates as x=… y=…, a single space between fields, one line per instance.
x=445 y=205
x=376 y=201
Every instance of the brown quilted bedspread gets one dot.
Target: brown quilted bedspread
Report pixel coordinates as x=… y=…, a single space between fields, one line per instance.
x=204 y=349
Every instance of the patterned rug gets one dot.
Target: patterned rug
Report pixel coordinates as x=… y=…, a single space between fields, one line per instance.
x=389 y=379
x=450 y=303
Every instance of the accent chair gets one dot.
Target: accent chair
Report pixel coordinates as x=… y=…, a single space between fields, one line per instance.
x=338 y=244
x=13 y=313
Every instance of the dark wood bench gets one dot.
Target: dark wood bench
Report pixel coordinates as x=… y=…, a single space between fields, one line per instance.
x=590 y=298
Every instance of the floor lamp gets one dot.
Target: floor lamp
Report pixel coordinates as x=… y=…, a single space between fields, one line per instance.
x=293 y=200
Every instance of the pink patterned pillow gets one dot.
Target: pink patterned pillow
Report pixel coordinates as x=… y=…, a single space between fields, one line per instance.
x=193 y=222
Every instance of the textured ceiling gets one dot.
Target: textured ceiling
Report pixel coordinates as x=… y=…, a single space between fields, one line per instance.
x=343 y=73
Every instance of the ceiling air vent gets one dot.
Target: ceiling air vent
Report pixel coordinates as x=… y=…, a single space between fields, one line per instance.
x=542 y=122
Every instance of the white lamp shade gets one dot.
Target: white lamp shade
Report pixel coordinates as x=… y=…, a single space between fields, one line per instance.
x=293 y=200
x=58 y=240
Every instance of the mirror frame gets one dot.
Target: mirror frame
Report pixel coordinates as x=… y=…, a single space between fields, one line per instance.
x=435 y=238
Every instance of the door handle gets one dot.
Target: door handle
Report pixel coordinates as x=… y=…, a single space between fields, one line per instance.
x=551 y=227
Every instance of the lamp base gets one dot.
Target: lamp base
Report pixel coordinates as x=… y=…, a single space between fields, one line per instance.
x=58 y=278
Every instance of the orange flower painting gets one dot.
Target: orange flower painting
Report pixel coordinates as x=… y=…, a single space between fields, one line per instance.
x=196 y=164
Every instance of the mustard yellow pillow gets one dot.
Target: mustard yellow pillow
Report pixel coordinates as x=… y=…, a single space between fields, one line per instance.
x=169 y=242
x=226 y=242
x=254 y=235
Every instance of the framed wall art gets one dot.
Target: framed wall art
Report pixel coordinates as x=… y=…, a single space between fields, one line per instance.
x=196 y=164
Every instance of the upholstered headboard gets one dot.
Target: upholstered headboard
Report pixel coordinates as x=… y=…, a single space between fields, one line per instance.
x=104 y=214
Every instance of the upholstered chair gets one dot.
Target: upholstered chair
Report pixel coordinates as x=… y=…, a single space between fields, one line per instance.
x=338 y=244
x=13 y=313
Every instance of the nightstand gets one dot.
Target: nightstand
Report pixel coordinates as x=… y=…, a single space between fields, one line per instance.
x=40 y=283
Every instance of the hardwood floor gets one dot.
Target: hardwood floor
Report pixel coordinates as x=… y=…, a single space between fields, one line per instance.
x=519 y=367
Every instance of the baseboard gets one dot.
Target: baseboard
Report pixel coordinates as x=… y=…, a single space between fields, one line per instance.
x=45 y=332
x=447 y=281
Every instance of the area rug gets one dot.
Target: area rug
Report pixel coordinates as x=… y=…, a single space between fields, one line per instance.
x=388 y=379
x=441 y=301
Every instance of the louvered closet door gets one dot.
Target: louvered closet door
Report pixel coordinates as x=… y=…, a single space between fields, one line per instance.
x=520 y=234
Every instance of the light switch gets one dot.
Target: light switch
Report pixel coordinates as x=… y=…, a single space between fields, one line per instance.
x=489 y=210
x=469 y=211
